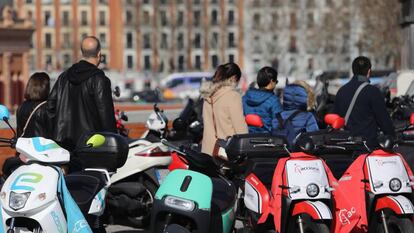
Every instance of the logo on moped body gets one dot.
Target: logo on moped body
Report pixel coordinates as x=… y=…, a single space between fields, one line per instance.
x=344 y=215
x=28 y=177
x=299 y=169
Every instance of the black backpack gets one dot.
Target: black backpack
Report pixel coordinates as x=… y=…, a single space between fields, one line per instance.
x=286 y=128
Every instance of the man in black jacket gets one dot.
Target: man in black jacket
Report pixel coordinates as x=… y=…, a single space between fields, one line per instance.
x=369 y=114
x=81 y=99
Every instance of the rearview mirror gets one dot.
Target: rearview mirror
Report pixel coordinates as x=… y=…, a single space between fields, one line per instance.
x=96 y=140
x=4 y=113
x=335 y=121
x=254 y=120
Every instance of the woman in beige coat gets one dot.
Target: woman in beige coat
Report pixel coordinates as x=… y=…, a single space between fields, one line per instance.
x=222 y=108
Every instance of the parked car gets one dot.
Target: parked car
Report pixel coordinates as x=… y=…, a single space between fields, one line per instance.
x=183 y=85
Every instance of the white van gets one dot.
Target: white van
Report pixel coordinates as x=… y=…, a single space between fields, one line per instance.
x=183 y=85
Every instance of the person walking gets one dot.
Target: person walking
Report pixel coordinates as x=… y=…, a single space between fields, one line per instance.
x=363 y=105
x=222 y=108
x=81 y=99
x=263 y=101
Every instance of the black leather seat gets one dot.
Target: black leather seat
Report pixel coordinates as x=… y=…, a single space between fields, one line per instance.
x=83 y=186
x=224 y=195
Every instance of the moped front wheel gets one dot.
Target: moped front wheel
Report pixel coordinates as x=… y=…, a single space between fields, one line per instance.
x=397 y=225
x=309 y=225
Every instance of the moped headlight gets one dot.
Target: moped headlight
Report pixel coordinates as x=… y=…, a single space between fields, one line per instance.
x=179 y=203
x=395 y=184
x=18 y=200
x=312 y=190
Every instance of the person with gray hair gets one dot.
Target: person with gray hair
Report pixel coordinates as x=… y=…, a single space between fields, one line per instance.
x=81 y=99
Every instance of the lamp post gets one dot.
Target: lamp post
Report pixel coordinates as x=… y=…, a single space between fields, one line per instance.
x=407 y=23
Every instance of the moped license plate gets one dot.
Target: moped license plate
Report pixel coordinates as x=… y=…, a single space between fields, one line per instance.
x=161 y=174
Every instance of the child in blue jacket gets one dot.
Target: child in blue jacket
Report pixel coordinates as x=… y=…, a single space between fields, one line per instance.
x=263 y=101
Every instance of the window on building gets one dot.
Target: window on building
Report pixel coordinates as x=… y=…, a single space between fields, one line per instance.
x=102 y=18
x=329 y=3
x=275 y=2
x=29 y=1
x=311 y=20
x=214 y=1
x=256 y=20
x=147 y=41
x=130 y=62
x=231 y=58
x=29 y=15
x=180 y=41
x=129 y=2
x=275 y=19
x=104 y=59
x=129 y=40
x=214 y=61
x=47 y=20
x=66 y=60
x=103 y=1
x=256 y=3
x=65 y=18
x=163 y=16
x=84 y=18
x=292 y=45
x=181 y=63
x=197 y=18
x=310 y=3
x=129 y=18
x=214 y=40
x=180 y=18
x=48 y=60
x=66 y=40
x=64 y=2
x=164 y=41
x=231 y=40
x=197 y=40
x=146 y=18
x=196 y=2
x=146 y=1
x=84 y=2
x=293 y=23
x=214 y=17
x=47 y=2
x=147 y=62
x=163 y=2
x=230 y=19
x=48 y=40
x=197 y=64
x=102 y=39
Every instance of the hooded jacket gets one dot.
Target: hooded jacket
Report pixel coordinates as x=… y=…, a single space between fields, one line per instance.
x=263 y=103
x=298 y=97
x=80 y=102
x=224 y=102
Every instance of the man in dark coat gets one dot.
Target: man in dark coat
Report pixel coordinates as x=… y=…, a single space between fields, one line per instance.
x=369 y=114
x=81 y=99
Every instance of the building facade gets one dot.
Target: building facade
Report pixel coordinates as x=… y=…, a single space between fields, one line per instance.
x=298 y=37
x=140 y=35
x=15 y=34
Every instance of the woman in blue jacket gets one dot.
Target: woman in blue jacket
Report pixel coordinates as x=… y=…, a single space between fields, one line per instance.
x=298 y=99
x=263 y=101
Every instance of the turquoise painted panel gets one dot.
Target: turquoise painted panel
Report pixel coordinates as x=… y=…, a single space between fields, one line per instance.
x=200 y=189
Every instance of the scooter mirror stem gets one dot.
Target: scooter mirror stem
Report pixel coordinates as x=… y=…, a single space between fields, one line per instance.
x=5 y=119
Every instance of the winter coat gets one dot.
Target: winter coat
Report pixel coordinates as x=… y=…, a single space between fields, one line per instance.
x=369 y=114
x=263 y=103
x=38 y=125
x=225 y=101
x=80 y=102
x=296 y=97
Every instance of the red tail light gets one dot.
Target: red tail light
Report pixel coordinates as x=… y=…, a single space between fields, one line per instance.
x=177 y=162
x=154 y=152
